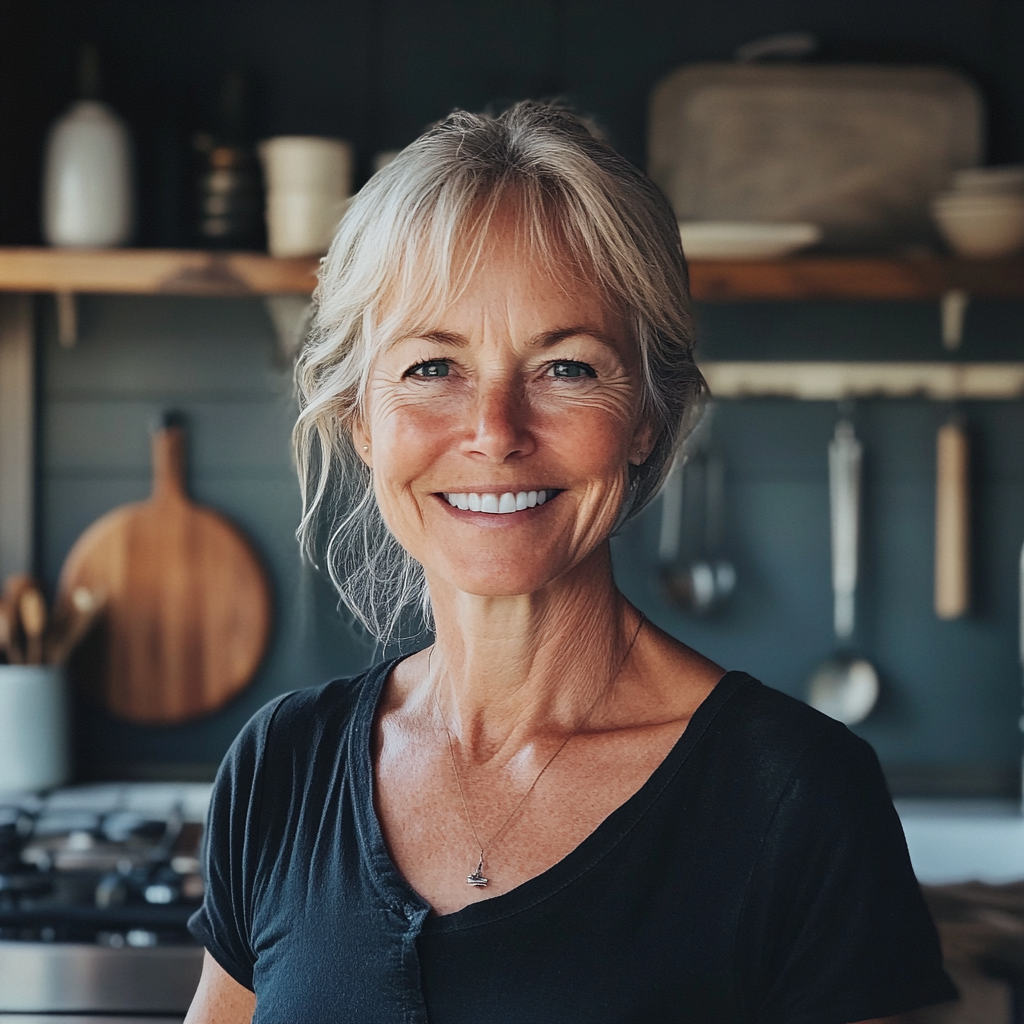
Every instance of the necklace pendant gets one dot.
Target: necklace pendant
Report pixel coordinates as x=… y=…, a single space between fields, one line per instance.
x=477 y=878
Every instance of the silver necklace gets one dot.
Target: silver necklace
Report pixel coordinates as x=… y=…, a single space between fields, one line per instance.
x=477 y=878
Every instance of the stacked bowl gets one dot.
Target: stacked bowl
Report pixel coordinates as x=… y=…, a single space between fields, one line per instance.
x=309 y=180
x=982 y=214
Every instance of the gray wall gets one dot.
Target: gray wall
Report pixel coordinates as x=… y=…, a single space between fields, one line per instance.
x=948 y=718
x=212 y=359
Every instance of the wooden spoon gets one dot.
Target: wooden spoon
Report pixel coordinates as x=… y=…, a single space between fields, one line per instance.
x=32 y=608
x=952 y=522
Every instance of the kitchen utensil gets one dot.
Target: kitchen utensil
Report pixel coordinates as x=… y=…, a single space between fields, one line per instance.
x=857 y=149
x=724 y=240
x=82 y=612
x=88 y=192
x=34 y=737
x=16 y=586
x=188 y=603
x=694 y=493
x=952 y=522
x=688 y=583
x=6 y=639
x=844 y=687
x=714 y=485
x=32 y=612
x=981 y=226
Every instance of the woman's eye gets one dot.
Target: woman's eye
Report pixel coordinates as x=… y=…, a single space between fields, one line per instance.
x=431 y=368
x=571 y=368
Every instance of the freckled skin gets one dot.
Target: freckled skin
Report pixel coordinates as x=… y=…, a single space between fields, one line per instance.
x=509 y=413
x=525 y=383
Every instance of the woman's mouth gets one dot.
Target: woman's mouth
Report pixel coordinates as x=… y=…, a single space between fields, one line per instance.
x=498 y=504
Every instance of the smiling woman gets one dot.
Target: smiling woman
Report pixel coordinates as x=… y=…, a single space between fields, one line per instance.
x=568 y=208
x=555 y=812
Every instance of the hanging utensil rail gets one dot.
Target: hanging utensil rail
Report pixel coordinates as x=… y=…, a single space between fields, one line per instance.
x=836 y=381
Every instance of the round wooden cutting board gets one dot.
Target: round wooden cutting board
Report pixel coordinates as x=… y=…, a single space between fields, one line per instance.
x=188 y=603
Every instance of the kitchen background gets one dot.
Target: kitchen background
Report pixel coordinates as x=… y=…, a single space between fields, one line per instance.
x=376 y=73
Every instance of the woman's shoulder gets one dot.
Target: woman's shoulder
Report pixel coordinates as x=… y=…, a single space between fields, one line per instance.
x=299 y=719
x=786 y=739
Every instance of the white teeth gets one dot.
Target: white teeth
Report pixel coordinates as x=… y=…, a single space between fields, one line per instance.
x=496 y=504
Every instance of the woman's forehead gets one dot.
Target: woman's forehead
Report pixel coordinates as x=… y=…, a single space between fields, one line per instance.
x=503 y=277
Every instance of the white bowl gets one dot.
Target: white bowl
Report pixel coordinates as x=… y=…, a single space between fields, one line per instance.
x=981 y=226
x=739 y=240
x=989 y=180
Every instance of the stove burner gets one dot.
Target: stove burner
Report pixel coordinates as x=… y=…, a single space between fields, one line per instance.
x=115 y=875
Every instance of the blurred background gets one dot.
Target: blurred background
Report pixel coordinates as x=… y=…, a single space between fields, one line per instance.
x=376 y=74
x=91 y=359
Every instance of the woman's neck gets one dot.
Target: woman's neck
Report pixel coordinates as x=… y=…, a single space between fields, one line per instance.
x=505 y=670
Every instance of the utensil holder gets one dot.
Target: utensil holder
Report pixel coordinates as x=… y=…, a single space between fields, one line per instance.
x=34 y=727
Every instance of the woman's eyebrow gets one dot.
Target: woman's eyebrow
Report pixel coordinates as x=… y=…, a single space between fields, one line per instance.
x=548 y=338
x=441 y=337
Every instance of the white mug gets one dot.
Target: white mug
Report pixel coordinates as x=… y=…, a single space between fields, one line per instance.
x=301 y=223
x=34 y=727
x=307 y=163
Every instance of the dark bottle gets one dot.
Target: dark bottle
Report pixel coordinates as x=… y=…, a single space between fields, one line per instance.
x=229 y=187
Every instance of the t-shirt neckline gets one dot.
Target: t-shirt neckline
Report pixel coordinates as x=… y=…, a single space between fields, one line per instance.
x=399 y=894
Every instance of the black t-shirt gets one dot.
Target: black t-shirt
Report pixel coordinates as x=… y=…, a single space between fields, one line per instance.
x=759 y=875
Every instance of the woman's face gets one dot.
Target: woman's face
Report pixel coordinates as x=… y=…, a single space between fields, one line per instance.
x=499 y=439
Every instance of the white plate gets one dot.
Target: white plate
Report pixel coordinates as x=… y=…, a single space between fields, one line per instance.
x=740 y=240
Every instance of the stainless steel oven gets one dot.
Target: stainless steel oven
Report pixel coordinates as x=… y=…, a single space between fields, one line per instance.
x=96 y=886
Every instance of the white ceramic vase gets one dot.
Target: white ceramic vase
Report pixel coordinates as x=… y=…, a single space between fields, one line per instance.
x=88 y=193
x=34 y=727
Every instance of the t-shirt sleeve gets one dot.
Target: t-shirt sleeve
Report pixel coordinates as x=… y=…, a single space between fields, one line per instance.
x=223 y=924
x=835 y=927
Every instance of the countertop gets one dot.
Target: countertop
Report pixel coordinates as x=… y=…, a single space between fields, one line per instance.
x=962 y=840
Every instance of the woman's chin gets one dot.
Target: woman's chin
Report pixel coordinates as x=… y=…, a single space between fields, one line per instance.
x=527 y=572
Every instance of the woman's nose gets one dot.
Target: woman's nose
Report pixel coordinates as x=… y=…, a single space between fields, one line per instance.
x=501 y=429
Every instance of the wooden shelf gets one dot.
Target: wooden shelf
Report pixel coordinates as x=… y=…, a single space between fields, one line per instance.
x=848 y=277
x=154 y=272
x=191 y=272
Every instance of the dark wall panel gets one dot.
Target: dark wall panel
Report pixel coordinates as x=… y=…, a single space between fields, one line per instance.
x=376 y=71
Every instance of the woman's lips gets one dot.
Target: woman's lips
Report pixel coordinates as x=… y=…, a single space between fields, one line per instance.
x=498 y=504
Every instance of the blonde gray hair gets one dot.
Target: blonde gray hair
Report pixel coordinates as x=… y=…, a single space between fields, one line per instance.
x=409 y=242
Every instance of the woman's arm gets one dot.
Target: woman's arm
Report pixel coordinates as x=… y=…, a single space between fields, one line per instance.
x=219 y=998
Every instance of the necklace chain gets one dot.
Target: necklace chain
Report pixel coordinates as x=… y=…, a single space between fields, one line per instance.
x=477 y=878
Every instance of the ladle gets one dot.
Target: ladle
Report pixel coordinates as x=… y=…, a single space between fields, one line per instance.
x=845 y=686
x=694 y=491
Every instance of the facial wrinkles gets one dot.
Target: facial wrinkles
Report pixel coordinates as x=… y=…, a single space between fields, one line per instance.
x=500 y=417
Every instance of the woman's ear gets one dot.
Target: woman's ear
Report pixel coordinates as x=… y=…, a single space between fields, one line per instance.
x=642 y=443
x=361 y=440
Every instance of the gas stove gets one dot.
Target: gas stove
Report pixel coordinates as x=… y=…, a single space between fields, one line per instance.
x=96 y=886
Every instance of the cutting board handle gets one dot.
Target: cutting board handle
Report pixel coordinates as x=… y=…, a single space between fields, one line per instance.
x=169 y=459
